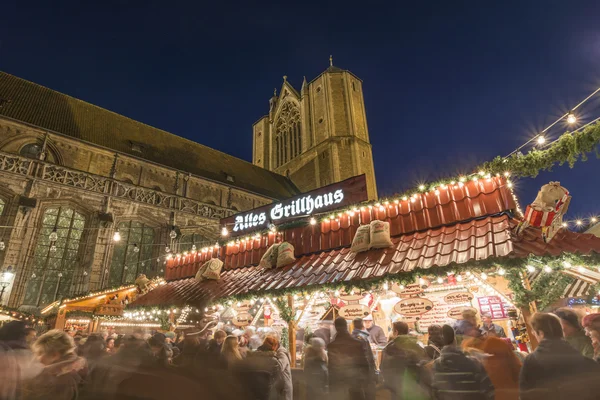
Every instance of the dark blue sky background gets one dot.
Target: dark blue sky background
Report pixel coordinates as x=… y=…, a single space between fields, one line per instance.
x=447 y=84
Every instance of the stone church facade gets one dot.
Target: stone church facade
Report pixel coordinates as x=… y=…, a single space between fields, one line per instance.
x=318 y=135
x=73 y=174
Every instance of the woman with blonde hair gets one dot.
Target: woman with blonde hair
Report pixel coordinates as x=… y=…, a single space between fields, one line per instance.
x=230 y=352
x=63 y=369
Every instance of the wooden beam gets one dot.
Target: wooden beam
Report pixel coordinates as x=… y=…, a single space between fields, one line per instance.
x=527 y=312
x=292 y=333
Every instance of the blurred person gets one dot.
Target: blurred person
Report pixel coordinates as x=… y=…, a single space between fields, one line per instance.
x=434 y=342
x=16 y=359
x=350 y=371
x=400 y=363
x=161 y=351
x=359 y=331
x=489 y=328
x=457 y=376
x=215 y=344
x=316 y=372
x=376 y=333
x=467 y=326
x=500 y=362
x=72 y=332
x=574 y=333
x=260 y=374
x=591 y=324
x=110 y=346
x=243 y=345
x=93 y=350
x=283 y=384
x=63 y=370
x=230 y=351
x=555 y=370
x=30 y=336
x=324 y=332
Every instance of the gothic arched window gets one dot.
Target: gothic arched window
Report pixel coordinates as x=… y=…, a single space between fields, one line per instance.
x=54 y=262
x=288 y=139
x=133 y=254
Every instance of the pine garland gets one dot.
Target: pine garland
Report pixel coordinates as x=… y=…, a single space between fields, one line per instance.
x=285 y=311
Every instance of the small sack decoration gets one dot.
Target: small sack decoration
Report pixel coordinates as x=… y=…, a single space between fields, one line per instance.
x=285 y=254
x=211 y=269
x=269 y=259
x=546 y=211
x=142 y=283
x=380 y=234
x=362 y=239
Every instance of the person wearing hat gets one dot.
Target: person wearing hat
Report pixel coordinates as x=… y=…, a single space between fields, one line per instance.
x=376 y=334
x=574 y=333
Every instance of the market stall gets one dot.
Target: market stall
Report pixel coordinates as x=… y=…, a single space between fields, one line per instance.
x=458 y=244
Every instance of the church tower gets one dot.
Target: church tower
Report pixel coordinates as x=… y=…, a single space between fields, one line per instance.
x=318 y=135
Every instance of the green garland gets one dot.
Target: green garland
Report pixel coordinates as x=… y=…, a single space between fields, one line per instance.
x=79 y=313
x=569 y=148
x=285 y=338
x=285 y=311
x=545 y=290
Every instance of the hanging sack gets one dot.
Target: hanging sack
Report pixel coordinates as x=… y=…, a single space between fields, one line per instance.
x=213 y=269
x=200 y=273
x=380 y=234
x=269 y=259
x=361 y=239
x=285 y=254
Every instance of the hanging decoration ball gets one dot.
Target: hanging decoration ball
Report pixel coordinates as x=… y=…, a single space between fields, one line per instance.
x=33 y=276
x=2 y=245
x=53 y=236
x=158 y=259
x=53 y=248
x=117 y=236
x=60 y=274
x=193 y=247
x=136 y=249
x=85 y=273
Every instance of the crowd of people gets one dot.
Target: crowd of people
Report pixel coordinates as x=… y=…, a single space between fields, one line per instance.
x=466 y=361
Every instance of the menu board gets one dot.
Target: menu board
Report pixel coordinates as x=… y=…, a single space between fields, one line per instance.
x=492 y=305
x=440 y=305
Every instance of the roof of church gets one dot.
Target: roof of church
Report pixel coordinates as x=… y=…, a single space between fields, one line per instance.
x=48 y=109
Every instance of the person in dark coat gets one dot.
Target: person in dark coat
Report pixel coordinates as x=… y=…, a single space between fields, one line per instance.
x=457 y=376
x=435 y=341
x=324 y=332
x=216 y=343
x=574 y=333
x=555 y=370
x=350 y=371
x=400 y=361
x=63 y=370
x=376 y=334
x=316 y=373
x=259 y=374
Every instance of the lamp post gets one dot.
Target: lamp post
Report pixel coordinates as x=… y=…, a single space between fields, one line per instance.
x=5 y=280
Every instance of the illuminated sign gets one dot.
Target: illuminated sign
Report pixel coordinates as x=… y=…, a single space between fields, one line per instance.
x=349 y=191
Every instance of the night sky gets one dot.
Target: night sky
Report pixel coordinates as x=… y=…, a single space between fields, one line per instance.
x=447 y=84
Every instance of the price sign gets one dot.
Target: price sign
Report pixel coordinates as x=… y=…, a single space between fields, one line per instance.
x=354 y=311
x=413 y=306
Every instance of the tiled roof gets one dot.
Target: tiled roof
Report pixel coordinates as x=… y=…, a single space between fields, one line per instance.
x=463 y=242
x=427 y=211
x=48 y=109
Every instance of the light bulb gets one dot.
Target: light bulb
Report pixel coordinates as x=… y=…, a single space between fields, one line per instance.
x=501 y=271
x=564 y=224
x=541 y=139
x=530 y=268
x=571 y=118
x=385 y=286
x=337 y=293
x=593 y=220
x=136 y=249
x=53 y=236
x=581 y=269
x=421 y=187
x=579 y=222
x=173 y=233
x=2 y=245
x=459 y=278
x=53 y=248
x=313 y=221
x=193 y=247
x=440 y=280
x=224 y=231
x=484 y=276
x=117 y=236
x=547 y=269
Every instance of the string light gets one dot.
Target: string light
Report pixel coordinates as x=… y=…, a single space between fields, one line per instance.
x=501 y=271
x=547 y=269
x=117 y=236
x=313 y=221
x=440 y=280
x=541 y=139
x=530 y=268
x=224 y=231
x=136 y=249
x=571 y=118
x=173 y=233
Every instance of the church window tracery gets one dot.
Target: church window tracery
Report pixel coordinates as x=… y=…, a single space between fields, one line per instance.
x=288 y=135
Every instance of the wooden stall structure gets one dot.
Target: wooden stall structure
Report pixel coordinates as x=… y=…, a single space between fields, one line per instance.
x=451 y=231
